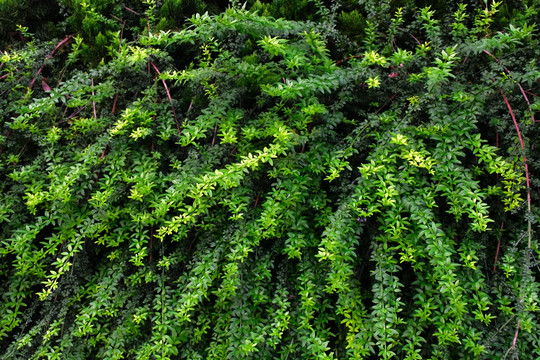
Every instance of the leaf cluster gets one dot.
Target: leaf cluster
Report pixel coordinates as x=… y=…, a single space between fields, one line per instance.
x=262 y=196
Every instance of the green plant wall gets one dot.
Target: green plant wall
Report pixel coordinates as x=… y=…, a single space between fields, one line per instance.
x=253 y=187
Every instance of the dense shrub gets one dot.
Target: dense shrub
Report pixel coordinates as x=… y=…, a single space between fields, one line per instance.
x=253 y=187
x=41 y=19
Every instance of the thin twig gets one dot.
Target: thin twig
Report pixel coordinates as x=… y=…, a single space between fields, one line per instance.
x=386 y=103
x=132 y=11
x=414 y=37
x=524 y=162
x=348 y=58
x=60 y=45
x=257 y=199
x=121 y=36
x=516 y=336
x=168 y=96
x=114 y=103
x=523 y=92
x=103 y=153
x=503 y=326
x=76 y=112
x=514 y=342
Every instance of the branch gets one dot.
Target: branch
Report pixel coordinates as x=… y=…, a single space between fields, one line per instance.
x=168 y=96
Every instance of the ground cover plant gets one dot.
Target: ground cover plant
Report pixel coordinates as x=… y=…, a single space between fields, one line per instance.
x=356 y=182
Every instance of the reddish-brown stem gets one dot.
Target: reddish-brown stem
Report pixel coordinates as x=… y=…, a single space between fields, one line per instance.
x=168 y=96
x=60 y=45
x=524 y=162
x=76 y=112
x=348 y=58
x=114 y=103
x=498 y=248
x=103 y=153
x=414 y=37
x=116 y=17
x=257 y=199
x=394 y=44
x=386 y=103
x=518 y=84
x=121 y=35
x=514 y=342
x=132 y=11
x=34 y=80
x=45 y=86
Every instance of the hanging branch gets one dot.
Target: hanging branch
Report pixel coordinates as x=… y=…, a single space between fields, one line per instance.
x=518 y=84
x=524 y=162
x=168 y=96
x=60 y=45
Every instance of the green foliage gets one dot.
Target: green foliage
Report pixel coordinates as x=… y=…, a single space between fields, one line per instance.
x=297 y=10
x=261 y=196
x=38 y=15
x=174 y=13
x=100 y=25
